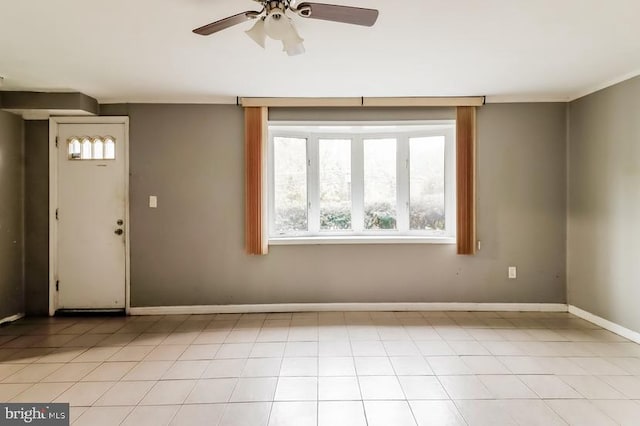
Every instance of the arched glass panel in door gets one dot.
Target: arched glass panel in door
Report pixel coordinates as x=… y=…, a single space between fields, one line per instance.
x=109 y=148
x=74 y=149
x=87 y=150
x=98 y=149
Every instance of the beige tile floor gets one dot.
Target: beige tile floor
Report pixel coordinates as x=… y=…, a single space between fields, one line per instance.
x=333 y=369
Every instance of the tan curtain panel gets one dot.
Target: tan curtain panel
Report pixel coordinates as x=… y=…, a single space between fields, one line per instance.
x=255 y=131
x=466 y=179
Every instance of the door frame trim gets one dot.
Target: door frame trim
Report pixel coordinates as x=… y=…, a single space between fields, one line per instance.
x=54 y=123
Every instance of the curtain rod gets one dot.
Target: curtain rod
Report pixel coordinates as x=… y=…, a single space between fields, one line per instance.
x=363 y=102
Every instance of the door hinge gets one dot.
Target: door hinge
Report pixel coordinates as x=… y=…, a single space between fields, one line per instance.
x=57 y=218
x=56 y=141
x=57 y=285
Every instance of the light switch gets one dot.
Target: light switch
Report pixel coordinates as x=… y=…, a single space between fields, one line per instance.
x=513 y=272
x=153 y=201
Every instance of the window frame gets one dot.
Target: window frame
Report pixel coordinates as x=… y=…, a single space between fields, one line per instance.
x=358 y=235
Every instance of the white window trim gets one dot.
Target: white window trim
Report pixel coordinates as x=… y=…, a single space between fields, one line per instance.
x=359 y=239
x=402 y=235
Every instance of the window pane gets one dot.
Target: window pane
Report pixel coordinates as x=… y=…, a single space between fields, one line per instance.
x=86 y=149
x=290 y=182
x=74 y=149
x=109 y=149
x=98 y=150
x=335 y=184
x=427 y=184
x=380 y=184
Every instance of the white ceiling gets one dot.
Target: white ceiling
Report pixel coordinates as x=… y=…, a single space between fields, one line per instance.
x=144 y=51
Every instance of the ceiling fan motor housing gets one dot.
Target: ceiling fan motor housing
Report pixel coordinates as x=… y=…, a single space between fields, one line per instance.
x=276 y=6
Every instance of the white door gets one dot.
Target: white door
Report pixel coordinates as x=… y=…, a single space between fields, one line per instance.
x=91 y=216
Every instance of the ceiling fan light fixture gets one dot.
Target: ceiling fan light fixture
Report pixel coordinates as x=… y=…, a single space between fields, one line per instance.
x=293 y=49
x=277 y=25
x=293 y=43
x=257 y=33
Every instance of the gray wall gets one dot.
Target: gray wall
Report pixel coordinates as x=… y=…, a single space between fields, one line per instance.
x=11 y=215
x=189 y=251
x=36 y=212
x=604 y=204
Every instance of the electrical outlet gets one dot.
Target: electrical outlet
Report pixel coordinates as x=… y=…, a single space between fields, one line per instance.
x=513 y=272
x=153 y=201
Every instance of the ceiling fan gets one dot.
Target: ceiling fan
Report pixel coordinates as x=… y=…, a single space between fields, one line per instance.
x=273 y=21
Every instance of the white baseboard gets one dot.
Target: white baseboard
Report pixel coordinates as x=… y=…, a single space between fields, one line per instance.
x=606 y=324
x=12 y=318
x=351 y=307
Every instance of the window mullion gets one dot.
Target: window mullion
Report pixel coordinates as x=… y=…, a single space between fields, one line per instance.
x=402 y=182
x=357 y=184
x=313 y=185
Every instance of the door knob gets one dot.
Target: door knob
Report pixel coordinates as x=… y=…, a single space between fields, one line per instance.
x=119 y=232
x=120 y=222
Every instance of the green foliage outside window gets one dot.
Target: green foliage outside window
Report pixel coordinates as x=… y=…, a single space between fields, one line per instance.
x=382 y=216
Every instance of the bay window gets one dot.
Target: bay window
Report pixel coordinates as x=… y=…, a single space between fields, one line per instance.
x=361 y=182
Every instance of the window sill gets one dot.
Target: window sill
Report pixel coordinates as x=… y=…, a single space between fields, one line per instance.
x=288 y=241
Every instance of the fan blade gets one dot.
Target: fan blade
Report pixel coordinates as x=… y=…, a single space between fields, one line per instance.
x=225 y=23
x=344 y=14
